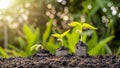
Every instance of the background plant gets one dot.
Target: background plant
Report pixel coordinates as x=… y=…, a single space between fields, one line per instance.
x=31 y=37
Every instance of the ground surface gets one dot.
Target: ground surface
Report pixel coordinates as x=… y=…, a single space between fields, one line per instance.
x=61 y=62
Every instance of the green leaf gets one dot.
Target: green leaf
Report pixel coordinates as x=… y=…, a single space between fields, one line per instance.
x=109 y=51
x=86 y=25
x=13 y=47
x=93 y=41
x=47 y=31
x=60 y=36
x=118 y=51
x=35 y=47
x=21 y=42
x=51 y=46
x=72 y=39
x=96 y=50
x=102 y=3
x=94 y=9
x=56 y=35
x=65 y=33
x=74 y=24
x=28 y=33
x=14 y=53
x=36 y=36
x=33 y=40
x=31 y=37
x=3 y=53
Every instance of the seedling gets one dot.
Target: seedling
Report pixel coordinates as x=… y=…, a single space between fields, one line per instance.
x=36 y=47
x=40 y=50
x=81 y=26
x=81 y=48
x=62 y=51
x=60 y=36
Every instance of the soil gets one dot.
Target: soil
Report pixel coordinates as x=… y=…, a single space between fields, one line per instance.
x=62 y=51
x=69 y=61
x=62 y=48
x=80 y=43
x=42 y=53
x=81 y=49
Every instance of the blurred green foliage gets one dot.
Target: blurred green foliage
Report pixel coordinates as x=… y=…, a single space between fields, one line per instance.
x=31 y=37
x=99 y=48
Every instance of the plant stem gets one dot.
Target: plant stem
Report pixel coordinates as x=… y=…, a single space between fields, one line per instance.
x=62 y=42
x=81 y=39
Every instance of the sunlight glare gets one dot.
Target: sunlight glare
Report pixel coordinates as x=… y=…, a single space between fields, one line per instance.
x=4 y=4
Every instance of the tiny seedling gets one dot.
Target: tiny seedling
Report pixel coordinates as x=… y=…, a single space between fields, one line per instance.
x=81 y=26
x=40 y=50
x=62 y=51
x=36 y=48
x=60 y=36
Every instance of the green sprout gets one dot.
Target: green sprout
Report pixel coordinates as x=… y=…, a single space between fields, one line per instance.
x=36 y=48
x=81 y=26
x=60 y=36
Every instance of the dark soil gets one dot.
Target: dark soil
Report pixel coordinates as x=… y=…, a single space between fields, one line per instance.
x=80 y=43
x=42 y=53
x=61 y=62
x=62 y=48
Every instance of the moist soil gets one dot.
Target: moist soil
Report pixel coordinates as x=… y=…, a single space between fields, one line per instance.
x=69 y=61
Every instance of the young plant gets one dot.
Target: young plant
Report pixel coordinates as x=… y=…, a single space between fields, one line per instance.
x=81 y=26
x=36 y=48
x=39 y=50
x=81 y=48
x=60 y=36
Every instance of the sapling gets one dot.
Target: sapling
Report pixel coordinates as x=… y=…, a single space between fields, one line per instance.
x=60 y=36
x=62 y=51
x=81 y=48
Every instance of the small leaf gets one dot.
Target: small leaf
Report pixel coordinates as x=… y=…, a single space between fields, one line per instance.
x=35 y=47
x=56 y=35
x=28 y=33
x=74 y=24
x=66 y=32
x=86 y=25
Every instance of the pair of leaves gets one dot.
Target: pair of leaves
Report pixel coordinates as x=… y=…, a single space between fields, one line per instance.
x=82 y=25
x=60 y=36
x=36 y=47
